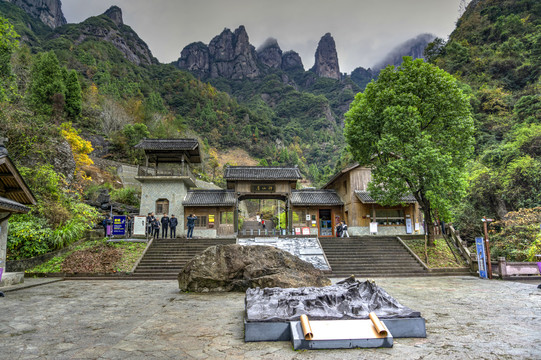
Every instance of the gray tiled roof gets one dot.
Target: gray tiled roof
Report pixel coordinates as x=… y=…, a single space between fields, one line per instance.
x=315 y=197
x=365 y=198
x=12 y=206
x=209 y=198
x=168 y=144
x=262 y=173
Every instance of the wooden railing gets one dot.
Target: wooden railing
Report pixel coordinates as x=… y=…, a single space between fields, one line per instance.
x=180 y=172
x=462 y=247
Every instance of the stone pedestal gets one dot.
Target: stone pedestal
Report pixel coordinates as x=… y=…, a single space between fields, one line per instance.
x=6 y=279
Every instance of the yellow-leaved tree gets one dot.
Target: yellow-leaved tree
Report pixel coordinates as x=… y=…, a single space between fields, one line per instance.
x=80 y=149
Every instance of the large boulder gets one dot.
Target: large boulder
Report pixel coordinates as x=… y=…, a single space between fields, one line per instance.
x=237 y=268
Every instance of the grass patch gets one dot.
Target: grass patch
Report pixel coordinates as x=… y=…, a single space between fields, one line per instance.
x=89 y=255
x=439 y=256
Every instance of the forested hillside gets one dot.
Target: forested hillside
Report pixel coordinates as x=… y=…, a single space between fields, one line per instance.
x=496 y=51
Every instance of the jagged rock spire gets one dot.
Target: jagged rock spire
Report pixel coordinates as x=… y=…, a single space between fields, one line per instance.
x=115 y=14
x=326 y=63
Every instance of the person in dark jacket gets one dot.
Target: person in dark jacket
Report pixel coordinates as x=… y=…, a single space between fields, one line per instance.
x=339 y=230
x=165 y=225
x=156 y=228
x=173 y=222
x=150 y=219
x=107 y=221
x=191 y=225
x=129 y=225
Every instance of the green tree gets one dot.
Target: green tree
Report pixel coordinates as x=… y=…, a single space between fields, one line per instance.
x=414 y=127
x=47 y=83
x=8 y=43
x=74 y=96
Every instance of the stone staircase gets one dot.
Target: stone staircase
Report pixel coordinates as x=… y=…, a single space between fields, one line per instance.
x=166 y=257
x=370 y=257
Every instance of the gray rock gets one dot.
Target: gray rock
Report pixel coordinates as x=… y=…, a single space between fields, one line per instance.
x=236 y=268
x=326 y=63
x=115 y=13
x=48 y=11
x=291 y=60
x=229 y=55
x=270 y=53
x=348 y=299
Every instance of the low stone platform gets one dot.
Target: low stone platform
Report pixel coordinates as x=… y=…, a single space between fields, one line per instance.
x=10 y=279
x=306 y=248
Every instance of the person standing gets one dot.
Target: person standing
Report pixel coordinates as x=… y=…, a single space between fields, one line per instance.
x=344 y=229
x=156 y=228
x=339 y=229
x=149 y=224
x=191 y=225
x=129 y=225
x=104 y=223
x=165 y=225
x=173 y=222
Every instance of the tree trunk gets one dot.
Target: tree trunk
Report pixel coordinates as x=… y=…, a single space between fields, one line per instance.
x=429 y=225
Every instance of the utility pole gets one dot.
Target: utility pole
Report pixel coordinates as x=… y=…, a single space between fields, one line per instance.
x=487 y=245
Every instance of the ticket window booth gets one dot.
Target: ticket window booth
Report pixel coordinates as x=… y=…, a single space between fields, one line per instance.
x=325 y=222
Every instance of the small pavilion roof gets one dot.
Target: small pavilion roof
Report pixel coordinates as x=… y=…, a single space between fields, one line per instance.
x=14 y=193
x=312 y=197
x=268 y=173
x=170 y=150
x=209 y=198
x=365 y=198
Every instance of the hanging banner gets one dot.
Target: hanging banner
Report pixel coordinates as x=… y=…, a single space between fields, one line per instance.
x=119 y=225
x=408 y=226
x=479 y=245
x=139 y=225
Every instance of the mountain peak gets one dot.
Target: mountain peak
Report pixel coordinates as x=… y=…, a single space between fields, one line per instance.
x=326 y=62
x=115 y=14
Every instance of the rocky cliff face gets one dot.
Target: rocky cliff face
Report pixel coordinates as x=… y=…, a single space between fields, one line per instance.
x=413 y=47
x=48 y=11
x=229 y=55
x=115 y=13
x=270 y=53
x=326 y=63
x=121 y=36
x=291 y=60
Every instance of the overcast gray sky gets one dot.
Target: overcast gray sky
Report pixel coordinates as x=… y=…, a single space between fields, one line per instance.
x=364 y=30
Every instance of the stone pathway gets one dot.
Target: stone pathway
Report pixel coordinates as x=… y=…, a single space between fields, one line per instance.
x=467 y=318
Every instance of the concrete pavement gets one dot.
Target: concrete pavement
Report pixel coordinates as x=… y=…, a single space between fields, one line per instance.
x=467 y=318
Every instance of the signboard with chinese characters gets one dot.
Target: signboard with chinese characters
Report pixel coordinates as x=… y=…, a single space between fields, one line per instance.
x=119 y=225
x=408 y=226
x=211 y=218
x=306 y=231
x=479 y=245
x=373 y=227
x=139 y=225
x=263 y=188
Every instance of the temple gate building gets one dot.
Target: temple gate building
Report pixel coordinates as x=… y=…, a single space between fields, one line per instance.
x=167 y=183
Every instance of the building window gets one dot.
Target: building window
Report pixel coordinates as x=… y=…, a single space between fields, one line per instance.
x=299 y=217
x=201 y=221
x=162 y=206
x=390 y=217
x=226 y=217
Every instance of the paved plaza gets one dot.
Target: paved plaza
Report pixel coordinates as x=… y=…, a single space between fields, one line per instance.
x=466 y=318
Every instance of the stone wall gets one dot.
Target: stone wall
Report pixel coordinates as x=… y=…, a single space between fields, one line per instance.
x=382 y=230
x=173 y=190
x=3 y=241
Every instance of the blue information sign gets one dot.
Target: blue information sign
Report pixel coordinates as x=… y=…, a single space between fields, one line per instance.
x=479 y=245
x=119 y=225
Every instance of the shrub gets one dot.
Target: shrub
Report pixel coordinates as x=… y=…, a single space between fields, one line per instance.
x=28 y=236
